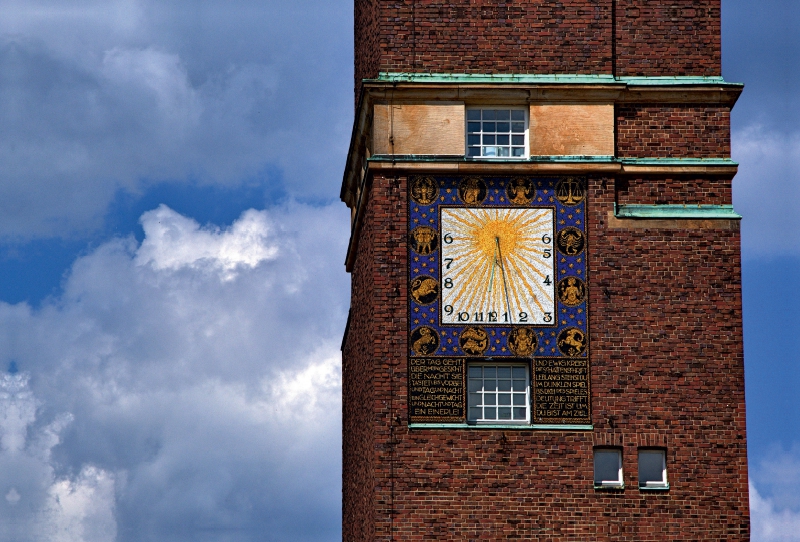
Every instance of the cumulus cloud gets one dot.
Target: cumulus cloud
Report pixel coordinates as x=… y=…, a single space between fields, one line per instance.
x=103 y=97
x=769 y=524
x=201 y=373
x=40 y=506
x=766 y=191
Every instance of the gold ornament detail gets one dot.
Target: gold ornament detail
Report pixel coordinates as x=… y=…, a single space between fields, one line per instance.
x=424 y=290
x=522 y=341
x=570 y=241
x=472 y=190
x=474 y=341
x=424 y=240
x=424 y=341
x=571 y=291
x=520 y=191
x=424 y=190
x=572 y=342
x=570 y=191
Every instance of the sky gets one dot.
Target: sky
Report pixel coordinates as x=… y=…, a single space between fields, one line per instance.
x=173 y=294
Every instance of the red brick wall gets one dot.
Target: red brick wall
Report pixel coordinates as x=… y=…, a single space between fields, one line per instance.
x=644 y=37
x=667 y=370
x=679 y=37
x=674 y=190
x=672 y=131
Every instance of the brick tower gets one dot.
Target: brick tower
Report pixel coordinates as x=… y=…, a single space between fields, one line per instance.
x=545 y=338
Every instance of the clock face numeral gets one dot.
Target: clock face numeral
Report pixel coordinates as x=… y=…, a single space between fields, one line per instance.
x=497 y=265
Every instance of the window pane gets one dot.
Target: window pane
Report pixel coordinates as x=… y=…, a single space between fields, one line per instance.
x=502 y=140
x=651 y=468
x=518 y=127
x=502 y=151
x=474 y=151
x=503 y=127
x=517 y=139
x=488 y=139
x=517 y=114
x=474 y=139
x=473 y=114
x=606 y=467
x=518 y=151
x=494 y=392
x=473 y=127
x=489 y=126
x=490 y=151
x=502 y=114
x=489 y=114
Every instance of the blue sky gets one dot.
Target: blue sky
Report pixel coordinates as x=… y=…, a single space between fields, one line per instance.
x=171 y=252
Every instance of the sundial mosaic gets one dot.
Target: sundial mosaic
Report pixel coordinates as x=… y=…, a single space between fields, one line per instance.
x=497 y=267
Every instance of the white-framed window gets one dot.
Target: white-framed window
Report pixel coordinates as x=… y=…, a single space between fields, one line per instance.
x=653 y=469
x=608 y=467
x=497 y=132
x=498 y=393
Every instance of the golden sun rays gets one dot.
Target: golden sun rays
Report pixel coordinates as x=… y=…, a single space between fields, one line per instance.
x=497 y=265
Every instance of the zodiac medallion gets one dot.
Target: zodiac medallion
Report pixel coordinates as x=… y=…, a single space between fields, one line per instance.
x=424 y=341
x=424 y=190
x=570 y=191
x=474 y=341
x=424 y=240
x=424 y=290
x=571 y=291
x=570 y=241
x=472 y=190
x=522 y=341
x=572 y=342
x=520 y=191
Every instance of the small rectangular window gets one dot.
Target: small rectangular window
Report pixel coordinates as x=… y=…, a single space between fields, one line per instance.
x=608 y=467
x=498 y=393
x=497 y=133
x=652 y=469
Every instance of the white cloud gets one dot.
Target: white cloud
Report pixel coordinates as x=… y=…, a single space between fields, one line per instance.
x=40 y=506
x=202 y=376
x=103 y=97
x=770 y=525
x=173 y=241
x=766 y=191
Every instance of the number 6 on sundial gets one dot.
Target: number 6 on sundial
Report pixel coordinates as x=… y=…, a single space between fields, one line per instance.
x=497 y=265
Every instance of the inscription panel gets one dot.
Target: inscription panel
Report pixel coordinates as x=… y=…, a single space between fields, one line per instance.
x=436 y=389
x=561 y=390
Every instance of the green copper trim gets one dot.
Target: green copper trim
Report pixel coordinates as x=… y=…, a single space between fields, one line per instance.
x=675 y=211
x=676 y=80
x=660 y=488
x=534 y=78
x=386 y=77
x=462 y=158
x=518 y=427
x=555 y=159
x=678 y=161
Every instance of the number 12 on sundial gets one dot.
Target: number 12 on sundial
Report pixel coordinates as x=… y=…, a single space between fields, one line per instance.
x=497 y=265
